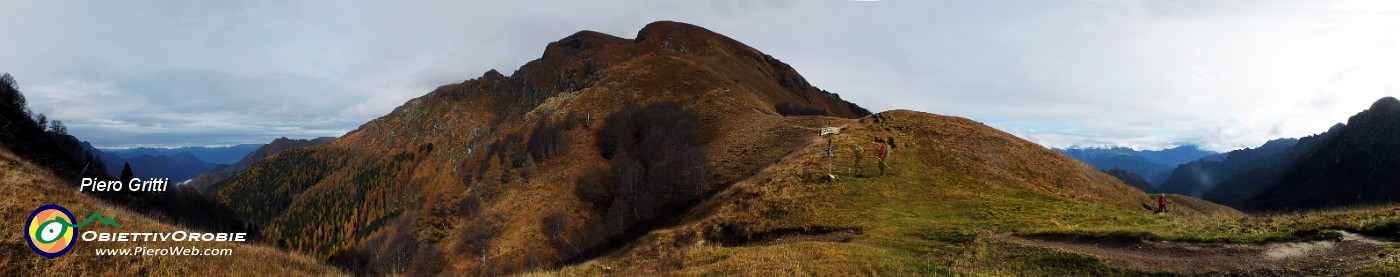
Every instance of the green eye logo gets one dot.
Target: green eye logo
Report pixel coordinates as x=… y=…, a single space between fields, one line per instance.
x=50 y=230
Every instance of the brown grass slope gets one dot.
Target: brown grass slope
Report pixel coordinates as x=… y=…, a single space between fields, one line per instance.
x=26 y=187
x=975 y=149
x=946 y=145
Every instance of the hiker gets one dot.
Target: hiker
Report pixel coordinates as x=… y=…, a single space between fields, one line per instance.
x=829 y=150
x=859 y=152
x=1162 y=203
x=889 y=152
x=880 y=154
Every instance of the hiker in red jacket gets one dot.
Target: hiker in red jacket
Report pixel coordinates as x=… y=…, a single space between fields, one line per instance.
x=1162 y=203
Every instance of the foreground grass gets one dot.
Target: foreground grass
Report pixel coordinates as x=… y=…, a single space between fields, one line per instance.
x=925 y=225
x=1381 y=221
x=24 y=187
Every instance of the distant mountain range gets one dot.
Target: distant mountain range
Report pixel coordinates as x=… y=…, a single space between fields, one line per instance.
x=1154 y=166
x=1200 y=177
x=211 y=154
x=1353 y=163
x=178 y=166
x=222 y=172
x=183 y=164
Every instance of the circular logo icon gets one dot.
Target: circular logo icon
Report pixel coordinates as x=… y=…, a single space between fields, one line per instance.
x=50 y=231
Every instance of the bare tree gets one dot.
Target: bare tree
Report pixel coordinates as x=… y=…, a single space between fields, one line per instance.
x=57 y=127
x=9 y=92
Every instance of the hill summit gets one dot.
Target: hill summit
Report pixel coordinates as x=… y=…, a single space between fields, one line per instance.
x=607 y=147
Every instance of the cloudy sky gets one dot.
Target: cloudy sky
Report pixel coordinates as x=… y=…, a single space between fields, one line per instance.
x=1144 y=74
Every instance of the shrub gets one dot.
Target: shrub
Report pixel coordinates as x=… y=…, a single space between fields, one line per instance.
x=618 y=129
x=387 y=251
x=549 y=139
x=477 y=234
x=469 y=206
x=512 y=149
x=508 y=151
x=555 y=226
x=591 y=188
x=10 y=94
x=427 y=261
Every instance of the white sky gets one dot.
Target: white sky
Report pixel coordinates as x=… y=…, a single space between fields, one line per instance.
x=1144 y=74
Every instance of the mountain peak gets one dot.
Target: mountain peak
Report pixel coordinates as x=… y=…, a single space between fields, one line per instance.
x=493 y=75
x=686 y=38
x=1384 y=113
x=582 y=40
x=1336 y=127
x=1387 y=102
x=670 y=34
x=671 y=28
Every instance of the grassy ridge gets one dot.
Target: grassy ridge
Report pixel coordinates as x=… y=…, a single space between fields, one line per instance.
x=929 y=216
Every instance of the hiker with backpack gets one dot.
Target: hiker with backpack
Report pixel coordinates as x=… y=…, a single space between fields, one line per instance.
x=1162 y=203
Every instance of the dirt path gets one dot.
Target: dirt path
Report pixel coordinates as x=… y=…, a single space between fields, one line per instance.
x=1280 y=258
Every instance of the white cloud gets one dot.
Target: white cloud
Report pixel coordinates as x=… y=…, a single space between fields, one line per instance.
x=1146 y=74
